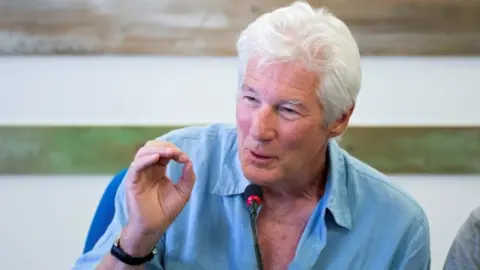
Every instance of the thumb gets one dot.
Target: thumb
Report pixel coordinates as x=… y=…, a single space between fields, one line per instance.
x=187 y=180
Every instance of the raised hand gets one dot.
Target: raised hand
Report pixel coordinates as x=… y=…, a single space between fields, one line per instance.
x=153 y=200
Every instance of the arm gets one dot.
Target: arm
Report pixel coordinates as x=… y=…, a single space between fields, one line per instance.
x=415 y=251
x=100 y=256
x=465 y=250
x=145 y=189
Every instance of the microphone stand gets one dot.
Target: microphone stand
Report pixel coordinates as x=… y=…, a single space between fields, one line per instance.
x=253 y=222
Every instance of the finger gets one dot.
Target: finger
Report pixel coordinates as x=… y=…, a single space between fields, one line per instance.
x=164 y=153
x=168 y=154
x=187 y=180
x=143 y=162
x=151 y=146
x=158 y=143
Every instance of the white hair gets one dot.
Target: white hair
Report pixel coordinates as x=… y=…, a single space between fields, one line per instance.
x=316 y=38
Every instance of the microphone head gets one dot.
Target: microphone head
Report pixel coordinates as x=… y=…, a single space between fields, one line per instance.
x=253 y=193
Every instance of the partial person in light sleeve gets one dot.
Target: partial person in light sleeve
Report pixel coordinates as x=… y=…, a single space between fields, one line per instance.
x=299 y=78
x=464 y=253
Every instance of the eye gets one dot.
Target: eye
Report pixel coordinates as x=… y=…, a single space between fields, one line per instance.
x=288 y=110
x=250 y=98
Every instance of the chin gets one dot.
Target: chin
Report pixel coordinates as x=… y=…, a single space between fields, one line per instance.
x=259 y=176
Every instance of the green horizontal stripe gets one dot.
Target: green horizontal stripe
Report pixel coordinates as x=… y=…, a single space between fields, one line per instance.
x=105 y=150
x=422 y=150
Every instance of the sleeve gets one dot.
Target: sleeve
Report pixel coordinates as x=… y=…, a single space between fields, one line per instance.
x=93 y=258
x=415 y=251
x=464 y=253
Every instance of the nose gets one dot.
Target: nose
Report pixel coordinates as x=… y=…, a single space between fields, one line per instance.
x=263 y=124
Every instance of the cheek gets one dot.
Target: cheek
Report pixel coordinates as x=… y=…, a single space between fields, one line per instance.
x=292 y=140
x=299 y=136
x=243 y=119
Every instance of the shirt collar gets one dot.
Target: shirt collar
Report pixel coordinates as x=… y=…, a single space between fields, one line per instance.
x=338 y=203
x=233 y=182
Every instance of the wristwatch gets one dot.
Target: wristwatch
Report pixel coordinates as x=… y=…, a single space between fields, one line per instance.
x=124 y=257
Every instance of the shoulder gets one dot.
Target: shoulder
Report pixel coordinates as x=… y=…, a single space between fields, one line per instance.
x=474 y=219
x=390 y=211
x=197 y=133
x=469 y=231
x=463 y=252
x=198 y=140
x=384 y=196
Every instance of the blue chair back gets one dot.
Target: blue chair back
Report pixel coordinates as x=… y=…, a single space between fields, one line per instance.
x=104 y=213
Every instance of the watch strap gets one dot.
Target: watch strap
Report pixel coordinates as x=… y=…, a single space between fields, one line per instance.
x=126 y=258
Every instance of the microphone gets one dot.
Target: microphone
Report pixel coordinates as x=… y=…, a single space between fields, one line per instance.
x=253 y=196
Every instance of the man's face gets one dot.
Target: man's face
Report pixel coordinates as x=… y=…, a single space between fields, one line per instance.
x=281 y=130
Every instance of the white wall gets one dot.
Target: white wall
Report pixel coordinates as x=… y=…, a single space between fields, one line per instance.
x=45 y=218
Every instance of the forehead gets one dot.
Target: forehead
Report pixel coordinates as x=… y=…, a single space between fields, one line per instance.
x=287 y=74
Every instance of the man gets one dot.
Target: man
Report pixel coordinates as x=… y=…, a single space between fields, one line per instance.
x=464 y=254
x=323 y=209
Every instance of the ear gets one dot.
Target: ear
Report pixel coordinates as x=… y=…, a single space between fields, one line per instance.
x=339 y=126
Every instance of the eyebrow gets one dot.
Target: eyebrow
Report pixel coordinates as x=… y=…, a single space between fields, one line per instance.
x=295 y=102
x=248 y=88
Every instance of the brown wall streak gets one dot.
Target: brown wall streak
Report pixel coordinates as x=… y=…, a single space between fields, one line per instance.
x=210 y=27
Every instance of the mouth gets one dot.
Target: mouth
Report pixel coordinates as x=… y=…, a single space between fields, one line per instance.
x=260 y=156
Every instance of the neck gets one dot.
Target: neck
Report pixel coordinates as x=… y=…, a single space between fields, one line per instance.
x=293 y=192
x=292 y=207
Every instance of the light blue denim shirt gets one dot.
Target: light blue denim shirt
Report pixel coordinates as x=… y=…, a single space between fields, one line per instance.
x=362 y=222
